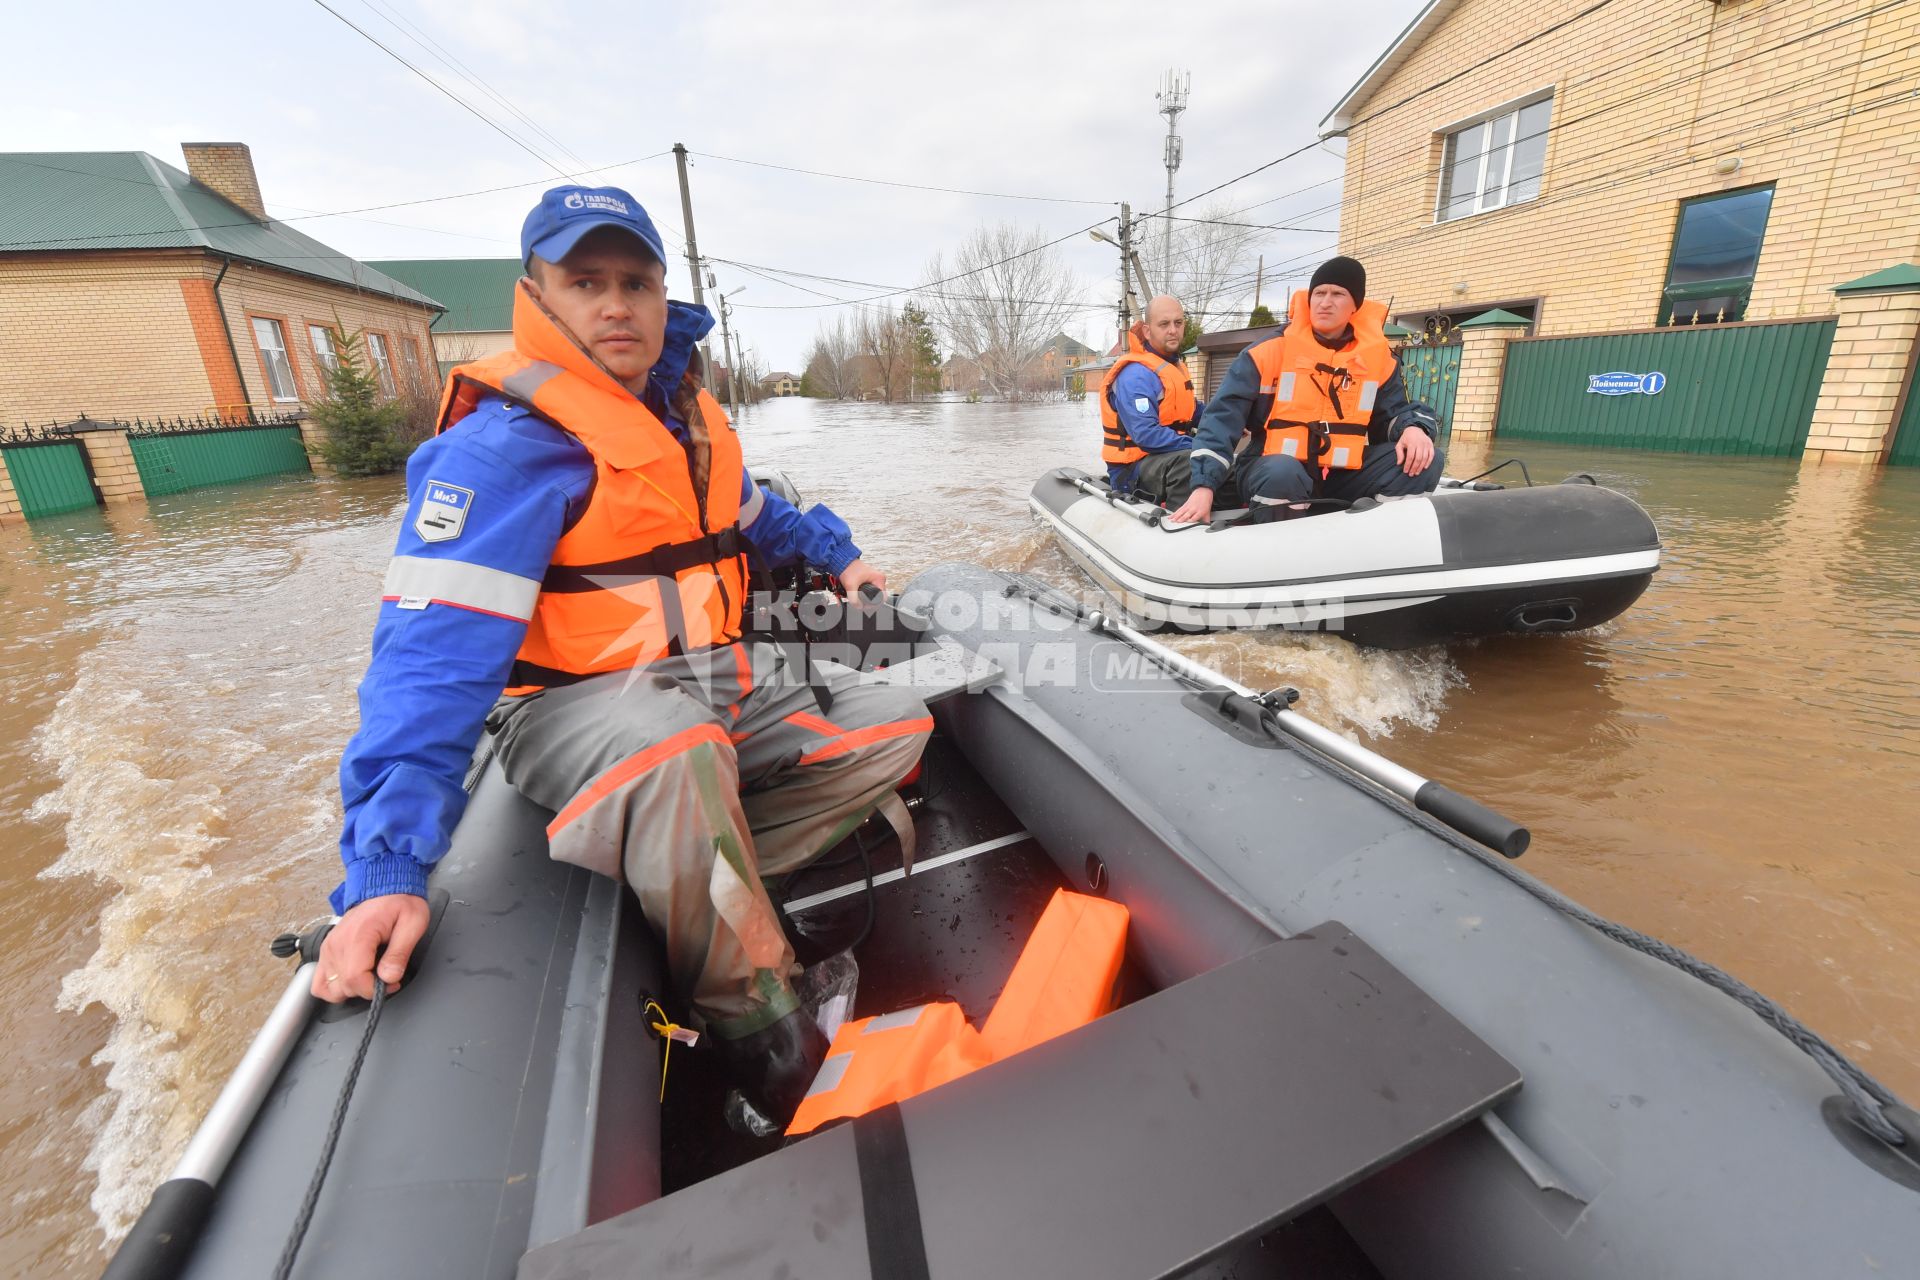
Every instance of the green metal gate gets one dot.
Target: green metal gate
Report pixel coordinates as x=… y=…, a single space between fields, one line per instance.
x=1906 y=432
x=50 y=477
x=172 y=460
x=1733 y=389
x=1432 y=376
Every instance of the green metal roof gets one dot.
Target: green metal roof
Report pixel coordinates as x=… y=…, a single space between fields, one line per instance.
x=477 y=292
x=1901 y=276
x=54 y=201
x=1495 y=319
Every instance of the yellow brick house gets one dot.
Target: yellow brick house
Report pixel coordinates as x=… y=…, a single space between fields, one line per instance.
x=1635 y=167
x=131 y=289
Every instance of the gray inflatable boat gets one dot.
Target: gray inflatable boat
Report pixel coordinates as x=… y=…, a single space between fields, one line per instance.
x=1470 y=559
x=1356 y=1040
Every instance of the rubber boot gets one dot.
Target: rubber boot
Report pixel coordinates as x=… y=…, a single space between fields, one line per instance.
x=775 y=1066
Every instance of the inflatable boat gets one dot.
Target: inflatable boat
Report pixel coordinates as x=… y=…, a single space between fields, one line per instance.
x=1470 y=559
x=1354 y=1039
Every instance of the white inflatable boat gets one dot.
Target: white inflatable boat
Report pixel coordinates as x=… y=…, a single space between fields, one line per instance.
x=1467 y=560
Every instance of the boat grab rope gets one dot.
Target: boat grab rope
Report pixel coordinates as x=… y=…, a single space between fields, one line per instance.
x=312 y=1198
x=1868 y=1098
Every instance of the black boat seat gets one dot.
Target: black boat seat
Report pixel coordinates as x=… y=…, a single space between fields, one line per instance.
x=1141 y=1145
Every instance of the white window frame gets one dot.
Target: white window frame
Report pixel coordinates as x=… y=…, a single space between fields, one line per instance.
x=321 y=339
x=269 y=355
x=1485 y=120
x=382 y=362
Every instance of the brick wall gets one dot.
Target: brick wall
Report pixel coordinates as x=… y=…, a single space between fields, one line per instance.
x=297 y=303
x=136 y=333
x=1648 y=96
x=106 y=334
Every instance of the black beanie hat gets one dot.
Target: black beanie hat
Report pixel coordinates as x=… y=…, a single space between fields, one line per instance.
x=1346 y=273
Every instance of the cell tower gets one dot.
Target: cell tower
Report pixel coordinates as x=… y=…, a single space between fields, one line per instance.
x=1173 y=100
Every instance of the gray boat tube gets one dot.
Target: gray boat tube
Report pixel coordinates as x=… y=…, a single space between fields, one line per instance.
x=1663 y=1130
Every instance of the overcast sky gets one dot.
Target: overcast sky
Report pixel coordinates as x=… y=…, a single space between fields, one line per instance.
x=1030 y=98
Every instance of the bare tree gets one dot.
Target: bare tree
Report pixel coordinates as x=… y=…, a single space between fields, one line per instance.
x=887 y=347
x=1001 y=298
x=832 y=362
x=1212 y=269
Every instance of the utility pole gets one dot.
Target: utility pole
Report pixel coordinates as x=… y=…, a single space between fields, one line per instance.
x=733 y=370
x=1126 y=282
x=693 y=251
x=1173 y=100
x=1260 y=269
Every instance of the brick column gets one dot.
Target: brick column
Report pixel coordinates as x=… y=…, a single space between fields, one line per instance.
x=9 y=500
x=1483 y=363
x=1868 y=368
x=111 y=458
x=312 y=436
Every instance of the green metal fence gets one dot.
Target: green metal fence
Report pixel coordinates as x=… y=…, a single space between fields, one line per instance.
x=1432 y=376
x=49 y=477
x=1735 y=389
x=174 y=460
x=1906 y=433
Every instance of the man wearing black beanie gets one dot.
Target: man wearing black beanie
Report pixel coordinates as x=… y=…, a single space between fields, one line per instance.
x=1326 y=406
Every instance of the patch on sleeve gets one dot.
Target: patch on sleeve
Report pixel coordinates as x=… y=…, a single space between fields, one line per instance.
x=1143 y=404
x=443 y=512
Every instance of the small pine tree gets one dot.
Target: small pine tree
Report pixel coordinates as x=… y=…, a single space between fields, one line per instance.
x=1262 y=316
x=1191 y=338
x=360 y=424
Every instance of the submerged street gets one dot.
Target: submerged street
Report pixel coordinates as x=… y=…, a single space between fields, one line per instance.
x=1728 y=766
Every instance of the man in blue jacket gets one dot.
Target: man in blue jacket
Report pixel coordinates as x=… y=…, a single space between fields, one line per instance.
x=1147 y=408
x=574 y=537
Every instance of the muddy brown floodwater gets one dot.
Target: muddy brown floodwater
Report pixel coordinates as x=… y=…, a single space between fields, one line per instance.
x=1729 y=766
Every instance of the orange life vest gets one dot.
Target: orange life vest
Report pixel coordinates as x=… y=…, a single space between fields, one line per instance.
x=1068 y=974
x=654 y=565
x=1176 y=401
x=1323 y=400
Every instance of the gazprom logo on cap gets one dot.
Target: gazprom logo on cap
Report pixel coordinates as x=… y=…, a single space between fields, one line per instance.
x=595 y=200
x=1626 y=384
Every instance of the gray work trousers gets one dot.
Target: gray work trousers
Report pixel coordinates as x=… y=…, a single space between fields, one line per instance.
x=694 y=776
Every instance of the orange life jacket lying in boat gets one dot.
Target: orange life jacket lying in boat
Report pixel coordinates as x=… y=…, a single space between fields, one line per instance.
x=1068 y=974
x=1322 y=399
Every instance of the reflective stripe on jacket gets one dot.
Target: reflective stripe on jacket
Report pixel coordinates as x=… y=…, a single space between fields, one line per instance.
x=654 y=564
x=1177 y=405
x=1323 y=400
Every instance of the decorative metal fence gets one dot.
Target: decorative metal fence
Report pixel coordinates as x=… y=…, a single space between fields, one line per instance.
x=177 y=454
x=49 y=470
x=1431 y=372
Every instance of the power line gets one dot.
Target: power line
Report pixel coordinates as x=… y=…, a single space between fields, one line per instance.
x=464 y=104
x=413 y=31
x=886 y=182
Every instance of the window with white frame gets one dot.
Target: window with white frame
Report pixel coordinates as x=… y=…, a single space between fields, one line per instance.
x=410 y=357
x=322 y=339
x=273 y=355
x=377 y=348
x=1495 y=162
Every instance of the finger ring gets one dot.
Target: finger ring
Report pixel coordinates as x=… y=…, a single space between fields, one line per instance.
x=333 y=977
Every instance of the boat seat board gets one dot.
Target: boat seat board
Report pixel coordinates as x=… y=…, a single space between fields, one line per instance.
x=1144 y=1144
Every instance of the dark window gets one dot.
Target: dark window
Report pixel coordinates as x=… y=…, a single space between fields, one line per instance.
x=1716 y=247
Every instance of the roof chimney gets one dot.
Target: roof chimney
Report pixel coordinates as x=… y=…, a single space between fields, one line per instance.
x=226 y=168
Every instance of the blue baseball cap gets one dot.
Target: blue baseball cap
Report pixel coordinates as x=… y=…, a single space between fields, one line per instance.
x=565 y=214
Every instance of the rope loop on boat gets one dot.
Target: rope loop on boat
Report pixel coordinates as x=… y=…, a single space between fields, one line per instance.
x=312 y=1198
